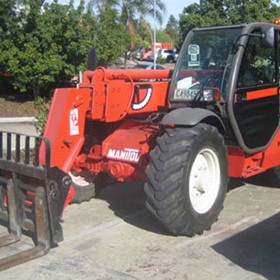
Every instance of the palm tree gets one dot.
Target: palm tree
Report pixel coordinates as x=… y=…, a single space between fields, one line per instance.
x=131 y=10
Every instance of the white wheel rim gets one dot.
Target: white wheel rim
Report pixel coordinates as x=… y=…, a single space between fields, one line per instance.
x=204 y=181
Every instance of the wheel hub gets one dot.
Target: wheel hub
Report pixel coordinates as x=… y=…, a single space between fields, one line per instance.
x=204 y=181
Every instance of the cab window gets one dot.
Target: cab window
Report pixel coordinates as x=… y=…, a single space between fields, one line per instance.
x=258 y=64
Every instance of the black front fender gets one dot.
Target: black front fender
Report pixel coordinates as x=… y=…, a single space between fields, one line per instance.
x=191 y=117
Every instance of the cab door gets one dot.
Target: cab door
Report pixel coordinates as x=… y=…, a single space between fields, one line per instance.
x=256 y=100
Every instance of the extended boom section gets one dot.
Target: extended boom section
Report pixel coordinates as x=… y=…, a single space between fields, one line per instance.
x=32 y=196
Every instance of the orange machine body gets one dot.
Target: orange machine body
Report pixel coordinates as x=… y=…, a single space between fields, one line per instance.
x=109 y=113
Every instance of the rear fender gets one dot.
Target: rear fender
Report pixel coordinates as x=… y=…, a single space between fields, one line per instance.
x=192 y=117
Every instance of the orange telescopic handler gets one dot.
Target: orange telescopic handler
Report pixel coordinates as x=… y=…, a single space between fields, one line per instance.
x=183 y=132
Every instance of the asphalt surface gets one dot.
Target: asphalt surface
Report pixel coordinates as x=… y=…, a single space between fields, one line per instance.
x=114 y=237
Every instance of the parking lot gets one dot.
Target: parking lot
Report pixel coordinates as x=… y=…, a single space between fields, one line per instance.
x=114 y=237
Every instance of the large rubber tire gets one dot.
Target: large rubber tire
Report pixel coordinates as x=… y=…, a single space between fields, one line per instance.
x=187 y=179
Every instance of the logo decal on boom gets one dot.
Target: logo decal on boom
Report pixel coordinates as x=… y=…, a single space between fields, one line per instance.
x=144 y=102
x=127 y=154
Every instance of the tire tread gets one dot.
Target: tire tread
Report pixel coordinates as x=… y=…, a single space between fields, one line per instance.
x=165 y=172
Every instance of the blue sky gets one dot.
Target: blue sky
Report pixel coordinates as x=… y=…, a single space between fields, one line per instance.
x=173 y=7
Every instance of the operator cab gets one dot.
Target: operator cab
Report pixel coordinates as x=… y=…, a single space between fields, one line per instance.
x=232 y=71
x=203 y=66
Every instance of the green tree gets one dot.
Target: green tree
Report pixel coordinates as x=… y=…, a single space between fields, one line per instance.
x=250 y=11
x=111 y=42
x=143 y=34
x=46 y=46
x=172 y=29
x=133 y=10
x=162 y=36
x=7 y=15
x=222 y=12
x=43 y=45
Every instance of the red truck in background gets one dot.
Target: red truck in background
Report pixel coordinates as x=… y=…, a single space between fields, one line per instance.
x=147 y=54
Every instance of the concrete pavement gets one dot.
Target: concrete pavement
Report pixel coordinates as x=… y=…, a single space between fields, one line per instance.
x=114 y=237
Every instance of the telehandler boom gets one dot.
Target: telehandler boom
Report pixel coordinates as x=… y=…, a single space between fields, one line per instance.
x=182 y=132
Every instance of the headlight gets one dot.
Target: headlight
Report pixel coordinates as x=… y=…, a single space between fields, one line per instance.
x=211 y=94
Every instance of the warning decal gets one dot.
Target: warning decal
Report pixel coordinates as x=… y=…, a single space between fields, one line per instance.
x=74 y=122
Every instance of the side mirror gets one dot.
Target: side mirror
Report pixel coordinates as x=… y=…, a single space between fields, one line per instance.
x=268 y=37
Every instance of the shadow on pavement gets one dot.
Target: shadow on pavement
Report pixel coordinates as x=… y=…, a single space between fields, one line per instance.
x=256 y=249
x=270 y=179
x=127 y=200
